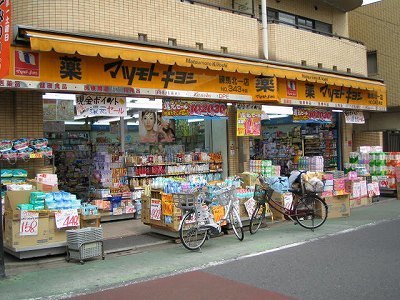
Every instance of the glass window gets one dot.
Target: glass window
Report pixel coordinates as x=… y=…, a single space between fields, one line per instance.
x=372 y=63
x=305 y=22
x=287 y=18
x=323 y=27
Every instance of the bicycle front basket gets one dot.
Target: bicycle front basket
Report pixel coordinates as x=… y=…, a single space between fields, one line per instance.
x=260 y=194
x=184 y=201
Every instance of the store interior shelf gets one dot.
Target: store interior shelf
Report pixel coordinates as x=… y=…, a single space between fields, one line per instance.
x=176 y=174
x=172 y=164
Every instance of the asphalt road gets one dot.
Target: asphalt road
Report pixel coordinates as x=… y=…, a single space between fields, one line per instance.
x=360 y=264
x=357 y=264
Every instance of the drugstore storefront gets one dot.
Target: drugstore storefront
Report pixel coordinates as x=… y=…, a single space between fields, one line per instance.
x=79 y=64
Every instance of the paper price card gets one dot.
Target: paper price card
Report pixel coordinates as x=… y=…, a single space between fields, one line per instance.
x=130 y=209
x=155 y=209
x=218 y=212
x=29 y=223
x=250 y=206
x=67 y=218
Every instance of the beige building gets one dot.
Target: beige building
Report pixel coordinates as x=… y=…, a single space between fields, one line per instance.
x=305 y=41
x=377 y=26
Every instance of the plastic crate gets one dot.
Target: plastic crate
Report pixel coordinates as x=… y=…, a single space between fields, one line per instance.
x=75 y=238
x=86 y=251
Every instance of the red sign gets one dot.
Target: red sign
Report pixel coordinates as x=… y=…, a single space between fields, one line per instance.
x=26 y=63
x=291 y=89
x=181 y=108
x=5 y=22
x=311 y=115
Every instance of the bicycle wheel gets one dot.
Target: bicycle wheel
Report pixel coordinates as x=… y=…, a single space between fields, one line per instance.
x=190 y=233
x=257 y=218
x=311 y=212
x=236 y=224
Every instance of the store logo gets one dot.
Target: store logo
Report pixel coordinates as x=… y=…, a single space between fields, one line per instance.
x=291 y=89
x=26 y=63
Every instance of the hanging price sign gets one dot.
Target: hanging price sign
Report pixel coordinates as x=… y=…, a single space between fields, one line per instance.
x=155 y=209
x=67 y=218
x=29 y=223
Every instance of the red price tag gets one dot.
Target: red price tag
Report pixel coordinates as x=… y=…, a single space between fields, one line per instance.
x=67 y=218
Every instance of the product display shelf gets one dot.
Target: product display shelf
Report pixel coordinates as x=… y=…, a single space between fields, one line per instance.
x=175 y=174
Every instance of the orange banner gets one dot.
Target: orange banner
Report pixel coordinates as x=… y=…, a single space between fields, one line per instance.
x=5 y=21
x=94 y=74
x=294 y=92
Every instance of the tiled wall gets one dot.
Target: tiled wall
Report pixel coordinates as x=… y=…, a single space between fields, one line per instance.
x=377 y=25
x=21 y=116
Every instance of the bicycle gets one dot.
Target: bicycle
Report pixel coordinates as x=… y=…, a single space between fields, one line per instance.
x=198 y=223
x=308 y=209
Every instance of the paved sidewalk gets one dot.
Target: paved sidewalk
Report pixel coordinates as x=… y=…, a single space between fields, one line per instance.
x=59 y=279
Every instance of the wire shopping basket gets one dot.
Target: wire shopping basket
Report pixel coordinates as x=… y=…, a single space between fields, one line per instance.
x=225 y=195
x=185 y=201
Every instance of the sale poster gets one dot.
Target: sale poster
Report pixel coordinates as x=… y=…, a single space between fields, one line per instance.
x=248 y=120
x=155 y=209
x=29 y=223
x=67 y=218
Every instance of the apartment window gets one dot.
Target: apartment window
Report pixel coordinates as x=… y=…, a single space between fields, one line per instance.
x=348 y=70
x=172 y=42
x=199 y=46
x=372 y=63
x=288 y=18
x=224 y=49
x=142 y=37
x=304 y=63
x=334 y=68
x=319 y=65
x=323 y=27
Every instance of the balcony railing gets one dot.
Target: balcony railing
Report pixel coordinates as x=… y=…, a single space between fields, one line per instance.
x=223 y=8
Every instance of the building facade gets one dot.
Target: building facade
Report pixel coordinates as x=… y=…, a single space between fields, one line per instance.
x=377 y=26
x=308 y=41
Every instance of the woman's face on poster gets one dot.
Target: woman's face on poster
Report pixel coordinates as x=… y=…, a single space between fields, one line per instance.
x=149 y=120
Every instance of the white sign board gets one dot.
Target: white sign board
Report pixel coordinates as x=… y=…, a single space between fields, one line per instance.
x=354 y=117
x=155 y=209
x=97 y=105
x=67 y=218
x=29 y=223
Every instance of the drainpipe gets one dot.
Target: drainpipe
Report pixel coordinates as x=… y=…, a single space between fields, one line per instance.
x=264 y=27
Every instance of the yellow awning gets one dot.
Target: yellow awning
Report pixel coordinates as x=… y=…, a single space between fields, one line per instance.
x=89 y=46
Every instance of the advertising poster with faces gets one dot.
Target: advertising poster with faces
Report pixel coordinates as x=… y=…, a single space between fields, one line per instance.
x=155 y=129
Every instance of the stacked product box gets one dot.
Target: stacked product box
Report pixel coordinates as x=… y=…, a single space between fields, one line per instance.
x=262 y=166
x=339 y=187
x=328 y=186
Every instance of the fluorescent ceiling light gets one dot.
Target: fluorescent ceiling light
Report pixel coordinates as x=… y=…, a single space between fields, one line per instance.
x=337 y=110
x=195 y=120
x=229 y=104
x=144 y=103
x=108 y=121
x=133 y=123
x=284 y=110
x=74 y=123
x=59 y=96
x=277 y=116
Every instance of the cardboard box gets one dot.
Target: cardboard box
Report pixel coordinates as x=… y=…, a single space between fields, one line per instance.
x=57 y=235
x=40 y=186
x=249 y=179
x=338 y=206
x=173 y=223
x=13 y=198
x=355 y=202
x=279 y=199
x=365 y=201
x=13 y=239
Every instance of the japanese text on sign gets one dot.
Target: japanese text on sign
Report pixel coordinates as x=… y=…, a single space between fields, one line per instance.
x=67 y=218
x=311 y=115
x=354 y=117
x=191 y=108
x=96 y=105
x=29 y=223
x=248 y=120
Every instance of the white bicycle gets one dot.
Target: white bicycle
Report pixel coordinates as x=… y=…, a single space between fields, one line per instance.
x=198 y=222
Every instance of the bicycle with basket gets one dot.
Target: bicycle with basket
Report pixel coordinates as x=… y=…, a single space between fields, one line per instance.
x=307 y=209
x=198 y=222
